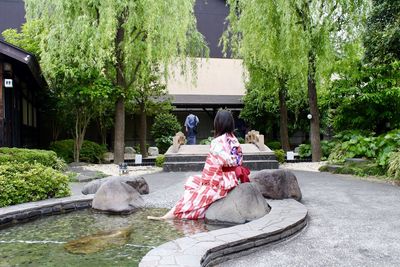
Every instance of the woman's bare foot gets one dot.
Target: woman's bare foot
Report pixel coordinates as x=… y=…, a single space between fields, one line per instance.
x=169 y=216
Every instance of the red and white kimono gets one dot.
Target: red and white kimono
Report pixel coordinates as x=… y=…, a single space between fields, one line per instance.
x=214 y=183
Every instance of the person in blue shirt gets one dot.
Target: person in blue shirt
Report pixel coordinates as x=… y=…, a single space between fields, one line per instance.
x=191 y=123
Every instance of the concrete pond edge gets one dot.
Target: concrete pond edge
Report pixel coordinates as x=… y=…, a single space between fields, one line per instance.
x=21 y=213
x=286 y=218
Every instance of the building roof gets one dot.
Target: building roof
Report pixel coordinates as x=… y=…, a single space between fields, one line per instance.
x=24 y=57
x=207 y=101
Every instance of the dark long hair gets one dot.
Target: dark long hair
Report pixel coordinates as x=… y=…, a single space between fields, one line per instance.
x=223 y=122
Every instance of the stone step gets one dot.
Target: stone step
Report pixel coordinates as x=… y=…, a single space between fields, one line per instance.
x=196 y=166
x=202 y=158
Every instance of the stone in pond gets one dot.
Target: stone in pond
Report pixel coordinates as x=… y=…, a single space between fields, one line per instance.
x=244 y=203
x=98 y=242
x=139 y=183
x=116 y=196
x=277 y=184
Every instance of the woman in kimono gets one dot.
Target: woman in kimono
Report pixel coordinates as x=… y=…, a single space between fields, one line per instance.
x=220 y=174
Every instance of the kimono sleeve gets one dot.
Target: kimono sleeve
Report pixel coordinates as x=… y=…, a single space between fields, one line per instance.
x=220 y=155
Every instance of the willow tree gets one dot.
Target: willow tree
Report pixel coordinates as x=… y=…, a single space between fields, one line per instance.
x=267 y=37
x=118 y=38
x=323 y=26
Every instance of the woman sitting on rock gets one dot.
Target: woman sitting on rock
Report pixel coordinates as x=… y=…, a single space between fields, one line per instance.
x=221 y=173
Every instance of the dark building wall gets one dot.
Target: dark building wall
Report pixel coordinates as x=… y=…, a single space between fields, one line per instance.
x=12 y=14
x=211 y=16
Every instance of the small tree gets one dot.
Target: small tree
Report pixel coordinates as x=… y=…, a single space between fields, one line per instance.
x=165 y=126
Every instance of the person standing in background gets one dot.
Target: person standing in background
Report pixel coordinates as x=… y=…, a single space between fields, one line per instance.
x=191 y=128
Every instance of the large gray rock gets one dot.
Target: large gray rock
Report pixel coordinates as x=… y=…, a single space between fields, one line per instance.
x=116 y=196
x=139 y=183
x=244 y=203
x=277 y=184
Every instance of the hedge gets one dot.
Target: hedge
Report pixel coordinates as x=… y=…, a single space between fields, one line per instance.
x=25 y=182
x=90 y=151
x=32 y=156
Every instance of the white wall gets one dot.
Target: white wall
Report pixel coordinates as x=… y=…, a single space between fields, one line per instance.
x=215 y=76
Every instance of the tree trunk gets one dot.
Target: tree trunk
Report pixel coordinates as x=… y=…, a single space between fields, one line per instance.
x=119 y=134
x=119 y=126
x=283 y=126
x=81 y=122
x=143 y=130
x=312 y=100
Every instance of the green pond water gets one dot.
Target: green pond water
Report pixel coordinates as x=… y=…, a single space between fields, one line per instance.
x=42 y=242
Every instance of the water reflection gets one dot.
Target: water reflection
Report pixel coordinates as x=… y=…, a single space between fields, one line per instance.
x=191 y=227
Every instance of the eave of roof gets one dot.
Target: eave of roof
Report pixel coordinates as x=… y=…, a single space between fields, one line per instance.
x=214 y=101
x=25 y=58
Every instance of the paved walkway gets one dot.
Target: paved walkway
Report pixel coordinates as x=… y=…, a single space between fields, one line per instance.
x=352 y=222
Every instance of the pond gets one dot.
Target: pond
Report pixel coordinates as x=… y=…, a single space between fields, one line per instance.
x=50 y=241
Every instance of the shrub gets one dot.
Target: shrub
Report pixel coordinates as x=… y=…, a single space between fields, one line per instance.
x=24 y=182
x=241 y=140
x=323 y=168
x=326 y=148
x=360 y=169
x=385 y=145
x=366 y=146
x=22 y=155
x=163 y=143
x=394 y=165
x=280 y=155
x=165 y=126
x=357 y=146
x=304 y=151
x=160 y=160
x=274 y=145
x=206 y=141
x=90 y=151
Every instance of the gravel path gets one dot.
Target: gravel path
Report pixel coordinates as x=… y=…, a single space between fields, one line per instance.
x=352 y=222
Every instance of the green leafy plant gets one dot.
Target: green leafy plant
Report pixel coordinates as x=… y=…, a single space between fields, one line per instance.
x=394 y=165
x=327 y=147
x=25 y=182
x=90 y=151
x=304 y=151
x=165 y=126
x=241 y=140
x=160 y=159
x=206 y=141
x=280 y=155
x=274 y=145
x=21 y=155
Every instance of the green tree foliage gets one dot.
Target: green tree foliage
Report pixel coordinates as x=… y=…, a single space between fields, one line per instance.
x=322 y=27
x=118 y=38
x=28 y=38
x=266 y=36
x=382 y=35
x=367 y=94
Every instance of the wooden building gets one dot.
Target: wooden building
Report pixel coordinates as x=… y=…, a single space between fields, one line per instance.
x=21 y=84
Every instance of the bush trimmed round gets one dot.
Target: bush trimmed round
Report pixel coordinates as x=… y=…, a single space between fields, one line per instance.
x=25 y=182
